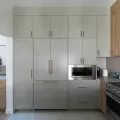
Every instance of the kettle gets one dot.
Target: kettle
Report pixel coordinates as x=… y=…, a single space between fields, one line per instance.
x=105 y=72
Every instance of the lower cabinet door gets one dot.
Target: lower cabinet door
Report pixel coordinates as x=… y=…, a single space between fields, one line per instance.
x=50 y=95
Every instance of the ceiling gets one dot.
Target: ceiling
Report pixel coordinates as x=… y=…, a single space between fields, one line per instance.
x=107 y=3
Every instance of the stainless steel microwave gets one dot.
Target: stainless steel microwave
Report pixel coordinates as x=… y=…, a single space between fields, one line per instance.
x=82 y=72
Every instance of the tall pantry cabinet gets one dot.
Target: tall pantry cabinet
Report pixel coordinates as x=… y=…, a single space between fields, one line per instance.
x=40 y=55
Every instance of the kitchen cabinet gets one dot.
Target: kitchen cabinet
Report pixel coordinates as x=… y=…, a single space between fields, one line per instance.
x=115 y=36
x=41 y=59
x=83 y=94
x=2 y=94
x=58 y=26
x=23 y=26
x=51 y=94
x=41 y=26
x=24 y=73
x=58 y=59
x=103 y=36
x=103 y=96
x=82 y=39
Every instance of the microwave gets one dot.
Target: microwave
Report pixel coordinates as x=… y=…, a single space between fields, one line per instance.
x=82 y=72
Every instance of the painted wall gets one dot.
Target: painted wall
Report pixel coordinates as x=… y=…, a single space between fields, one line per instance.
x=6 y=30
x=113 y=64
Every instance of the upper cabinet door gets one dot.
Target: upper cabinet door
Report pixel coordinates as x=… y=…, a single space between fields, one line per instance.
x=59 y=59
x=75 y=26
x=103 y=36
x=41 y=26
x=41 y=59
x=59 y=26
x=23 y=26
x=89 y=27
x=89 y=51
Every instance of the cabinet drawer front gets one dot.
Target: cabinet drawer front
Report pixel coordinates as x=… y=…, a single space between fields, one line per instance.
x=2 y=103
x=2 y=82
x=77 y=84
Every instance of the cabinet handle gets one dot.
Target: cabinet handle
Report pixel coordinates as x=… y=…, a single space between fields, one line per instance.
x=31 y=74
x=31 y=34
x=98 y=52
x=82 y=87
x=83 y=60
x=82 y=102
x=51 y=66
x=83 y=33
x=51 y=33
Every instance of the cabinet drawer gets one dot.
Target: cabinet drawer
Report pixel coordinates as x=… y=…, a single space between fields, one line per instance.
x=2 y=103
x=77 y=84
x=83 y=104
x=2 y=82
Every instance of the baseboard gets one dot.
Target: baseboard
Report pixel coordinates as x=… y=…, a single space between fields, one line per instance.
x=9 y=111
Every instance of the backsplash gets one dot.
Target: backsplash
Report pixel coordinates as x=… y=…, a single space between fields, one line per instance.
x=101 y=62
x=113 y=64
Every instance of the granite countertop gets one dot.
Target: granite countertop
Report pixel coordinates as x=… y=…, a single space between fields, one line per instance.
x=109 y=79
x=2 y=77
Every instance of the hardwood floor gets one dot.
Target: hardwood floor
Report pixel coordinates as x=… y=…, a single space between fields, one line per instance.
x=3 y=116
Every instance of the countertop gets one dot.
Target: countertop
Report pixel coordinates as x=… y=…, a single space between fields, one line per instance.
x=2 y=77
x=109 y=79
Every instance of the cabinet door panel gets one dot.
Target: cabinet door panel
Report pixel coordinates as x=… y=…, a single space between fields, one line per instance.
x=41 y=26
x=51 y=95
x=23 y=26
x=59 y=26
x=42 y=59
x=75 y=26
x=104 y=36
x=89 y=51
x=75 y=51
x=90 y=27
x=59 y=59
x=24 y=65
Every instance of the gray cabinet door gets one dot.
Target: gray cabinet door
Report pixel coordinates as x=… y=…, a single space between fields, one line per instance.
x=59 y=26
x=41 y=59
x=23 y=26
x=41 y=26
x=24 y=75
x=50 y=94
x=58 y=59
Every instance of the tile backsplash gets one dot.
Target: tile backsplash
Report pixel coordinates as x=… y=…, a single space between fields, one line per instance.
x=113 y=64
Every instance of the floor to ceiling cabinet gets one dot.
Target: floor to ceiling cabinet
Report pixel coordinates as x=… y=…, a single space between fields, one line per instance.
x=24 y=73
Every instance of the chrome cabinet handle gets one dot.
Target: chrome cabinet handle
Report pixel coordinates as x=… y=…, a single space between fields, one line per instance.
x=81 y=33
x=98 y=52
x=31 y=74
x=51 y=33
x=81 y=87
x=31 y=34
x=49 y=67
x=83 y=60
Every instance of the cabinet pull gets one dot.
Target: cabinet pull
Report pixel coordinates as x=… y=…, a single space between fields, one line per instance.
x=49 y=67
x=31 y=34
x=83 y=33
x=82 y=102
x=83 y=60
x=31 y=74
x=98 y=52
x=81 y=87
x=51 y=33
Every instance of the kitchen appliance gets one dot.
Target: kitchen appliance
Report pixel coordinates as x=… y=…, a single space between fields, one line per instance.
x=82 y=72
x=104 y=72
x=113 y=100
x=98 y=72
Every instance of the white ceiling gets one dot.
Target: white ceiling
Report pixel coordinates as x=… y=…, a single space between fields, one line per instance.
x=62 y=2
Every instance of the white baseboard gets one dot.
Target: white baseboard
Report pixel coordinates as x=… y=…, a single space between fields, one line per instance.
x=9 y=111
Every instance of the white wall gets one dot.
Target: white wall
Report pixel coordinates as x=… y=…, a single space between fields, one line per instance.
x=6 y=29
